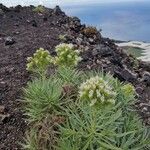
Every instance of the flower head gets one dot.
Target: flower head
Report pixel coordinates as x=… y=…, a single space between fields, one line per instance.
x=97 y=90
x=67 y=55
x=40 y=60
x=128 y=89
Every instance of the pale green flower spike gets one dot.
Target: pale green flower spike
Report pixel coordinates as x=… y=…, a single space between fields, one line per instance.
x=97 y=90
x=128 y=89
x=67 y=55
x=40 y=60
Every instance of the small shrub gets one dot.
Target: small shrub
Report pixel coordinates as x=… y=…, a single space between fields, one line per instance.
x=42 y=97
x=67 y=55
x=39 y=9
x=90 y=31
x=62 y=37
x=110 y=127
x=43 y=136
x=105 y=129
x=31 y=140
x=59 y=108
x=40 y=61
x=69 y=75
x=97 y=91
x=87 y=128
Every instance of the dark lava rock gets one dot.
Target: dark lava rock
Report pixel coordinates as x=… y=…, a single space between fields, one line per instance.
x=57 y=10
x=116 y=60
x=1 y=12
x=125 y=75
x=145 y=65
x=75 y=24
x=2 y=109
x=4 y=8
x=4 y=118
x=9 y=41
x=45 y=19
x=34 y=23
x=79 y=41
x=139 y=90
x=146 y=78
x=18 y=8
x=102 y=50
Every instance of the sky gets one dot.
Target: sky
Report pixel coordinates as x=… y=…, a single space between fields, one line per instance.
x=59 y=2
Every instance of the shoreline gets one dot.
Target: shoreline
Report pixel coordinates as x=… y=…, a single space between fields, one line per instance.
x=144 y=46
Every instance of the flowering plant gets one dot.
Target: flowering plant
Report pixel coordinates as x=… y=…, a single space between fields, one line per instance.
x=128 y=89
x=97 y=90
x=40 y=60
x=67 y=55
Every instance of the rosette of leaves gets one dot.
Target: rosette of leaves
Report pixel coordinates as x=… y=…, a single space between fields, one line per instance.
x=40 y=61
x=97 y=91
x=67 y=55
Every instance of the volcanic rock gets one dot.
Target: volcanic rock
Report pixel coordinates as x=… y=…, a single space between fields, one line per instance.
x=9 y=41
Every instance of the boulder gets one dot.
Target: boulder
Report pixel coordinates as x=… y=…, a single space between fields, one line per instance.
x=102 y=50
x=125 y=75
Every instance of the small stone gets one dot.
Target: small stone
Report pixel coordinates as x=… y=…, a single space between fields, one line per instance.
x=139 y=90
x=9 y=41
x=16 y=32
x=146 y=78
x=144 y=109
x=34 y=23
x=79 y=41
x=91 y=41
x=45 y=19
x=4 y=118
x=2 y=109
x=88 y=66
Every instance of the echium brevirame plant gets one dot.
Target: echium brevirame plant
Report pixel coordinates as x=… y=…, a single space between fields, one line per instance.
x=39 y=62
x=67 y=55
x=113 y=127
x=97 y=91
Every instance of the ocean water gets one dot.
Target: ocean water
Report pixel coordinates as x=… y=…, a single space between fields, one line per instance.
x=120 y=20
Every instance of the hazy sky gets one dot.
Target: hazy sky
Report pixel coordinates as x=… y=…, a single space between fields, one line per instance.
x=59 y=2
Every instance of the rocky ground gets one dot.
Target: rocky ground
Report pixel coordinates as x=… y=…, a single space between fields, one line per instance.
x=22 y=31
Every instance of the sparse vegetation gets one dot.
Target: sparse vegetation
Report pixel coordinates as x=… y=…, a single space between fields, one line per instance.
x=39 y=9
x=39 y=62
x=75 y=110
x=135 y=51
x=62 y=38
x=67 y=55
x=90 y=31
